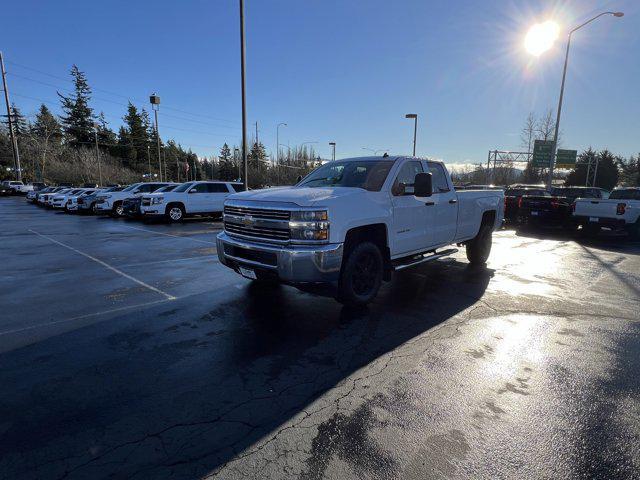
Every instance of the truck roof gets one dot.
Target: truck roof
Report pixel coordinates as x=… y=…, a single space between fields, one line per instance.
x=393 y=158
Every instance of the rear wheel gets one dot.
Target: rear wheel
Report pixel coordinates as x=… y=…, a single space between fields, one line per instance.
x=361 y=275
x=174 y=213
x=479 y=248
x=590 y=230
x=634 y=230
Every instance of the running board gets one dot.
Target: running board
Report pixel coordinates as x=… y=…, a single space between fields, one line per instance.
x=425 y=258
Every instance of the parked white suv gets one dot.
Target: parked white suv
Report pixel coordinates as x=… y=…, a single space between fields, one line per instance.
x=59 y=200
x=112 y=202
x=190 y=198
x=351 y=223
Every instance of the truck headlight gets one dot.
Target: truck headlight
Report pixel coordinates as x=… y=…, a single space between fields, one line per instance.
x=309 y=215
x=310 y=225
x=157 y=200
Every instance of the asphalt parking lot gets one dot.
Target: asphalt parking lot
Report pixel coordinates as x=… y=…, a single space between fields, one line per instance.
x=127 y=351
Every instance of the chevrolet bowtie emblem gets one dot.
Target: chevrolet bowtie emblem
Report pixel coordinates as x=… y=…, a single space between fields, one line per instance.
x=248 y=220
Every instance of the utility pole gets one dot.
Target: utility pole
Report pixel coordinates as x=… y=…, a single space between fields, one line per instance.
x=155 y=105
x=95 y=132
x=14 y=140
x=244 y=98
x=149 y=160
x=333 y=145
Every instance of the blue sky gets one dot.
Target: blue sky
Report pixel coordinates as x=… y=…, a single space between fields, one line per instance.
x=344 y=71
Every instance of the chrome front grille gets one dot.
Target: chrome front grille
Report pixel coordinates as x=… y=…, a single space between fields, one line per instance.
x=270 y=214
x=269 y=225
x=278 y=234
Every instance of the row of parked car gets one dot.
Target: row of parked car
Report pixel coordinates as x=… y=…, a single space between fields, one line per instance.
x=588 y=208
x=171 y=201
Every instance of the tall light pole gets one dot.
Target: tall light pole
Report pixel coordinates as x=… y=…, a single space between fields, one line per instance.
x=333 y=155
x=244 y=99
x=149 y=160
x=155 y=105
x=14 y=140
x=415 y=129
x=564 y=75
x=95 y=132
x=278 y=150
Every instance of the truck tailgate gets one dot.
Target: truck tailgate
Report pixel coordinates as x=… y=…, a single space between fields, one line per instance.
x=596 y=208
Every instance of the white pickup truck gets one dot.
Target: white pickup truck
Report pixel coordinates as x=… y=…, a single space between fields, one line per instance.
x=621 y=211
x=351 y=223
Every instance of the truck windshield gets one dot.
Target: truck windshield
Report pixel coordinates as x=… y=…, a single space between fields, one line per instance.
x=369 y=175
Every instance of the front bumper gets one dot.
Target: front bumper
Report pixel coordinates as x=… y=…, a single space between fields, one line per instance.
x=291 y=264
x=155 y=210
x=103 y=207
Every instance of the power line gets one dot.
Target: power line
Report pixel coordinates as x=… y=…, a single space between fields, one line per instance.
x=128 y=97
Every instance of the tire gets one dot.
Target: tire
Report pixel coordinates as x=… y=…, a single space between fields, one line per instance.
x=479 y=248
x=634 y=231
x=361 y=275
x=175 y=213
x=590 y=230
x=118 y=210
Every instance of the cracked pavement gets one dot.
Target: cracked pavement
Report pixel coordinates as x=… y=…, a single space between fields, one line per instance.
x=526 y=368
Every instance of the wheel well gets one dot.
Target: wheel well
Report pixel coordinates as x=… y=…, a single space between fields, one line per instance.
x=172 y=204
x=488 y=218
x=376 y=233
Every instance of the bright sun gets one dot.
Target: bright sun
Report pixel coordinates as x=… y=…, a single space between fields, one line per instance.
x=541 y=37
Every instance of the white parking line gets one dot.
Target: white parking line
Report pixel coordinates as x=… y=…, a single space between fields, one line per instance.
x=170 y=235
x=88 y=315
x=106 y=265
x=185 y=259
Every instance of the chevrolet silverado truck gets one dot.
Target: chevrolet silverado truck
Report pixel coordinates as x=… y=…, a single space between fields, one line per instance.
x=621 y=211
x=351 y=223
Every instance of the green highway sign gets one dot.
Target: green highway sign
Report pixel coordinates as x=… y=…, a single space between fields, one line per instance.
x=542 y=153
x=566 y=158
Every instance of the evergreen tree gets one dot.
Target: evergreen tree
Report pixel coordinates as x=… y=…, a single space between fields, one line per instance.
x=607 y=174
x=137 y=125
x=226 y=169
x=77 y=120
x=125 y=148
x=257 y=155
x=46 y=126
x=106 y=137
x=20 y=124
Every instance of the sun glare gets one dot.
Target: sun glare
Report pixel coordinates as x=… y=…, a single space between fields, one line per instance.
x=541 y=37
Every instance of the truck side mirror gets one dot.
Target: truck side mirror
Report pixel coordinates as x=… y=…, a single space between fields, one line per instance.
x=423 y=186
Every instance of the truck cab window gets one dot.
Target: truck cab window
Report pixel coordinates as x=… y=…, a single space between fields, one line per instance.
x=440 y=184
x=406 y=178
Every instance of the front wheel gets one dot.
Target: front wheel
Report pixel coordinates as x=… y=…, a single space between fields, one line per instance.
x=175 y=213
x=634 y=230
x=117 y=210
x=479 y=248
x=361 y=275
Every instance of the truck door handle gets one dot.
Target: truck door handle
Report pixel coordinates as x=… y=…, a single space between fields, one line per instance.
x=453 y=200
x=429 y=204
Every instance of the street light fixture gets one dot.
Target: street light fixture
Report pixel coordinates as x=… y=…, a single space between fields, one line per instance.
x=564 y=75
x=155 y=105
x=415 y=129
x=333 y=155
